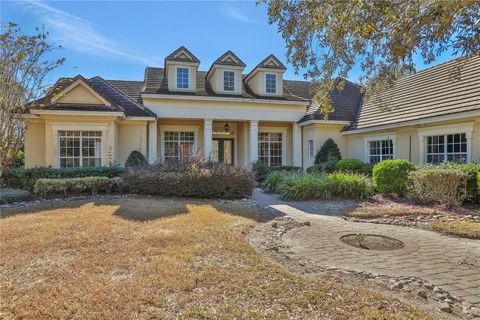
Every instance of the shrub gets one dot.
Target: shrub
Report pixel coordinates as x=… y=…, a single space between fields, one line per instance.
x=391 y=176
x=261 y=170
x=347 y=185
x=322 y=168
x=439 y=186
x=13 y=195
x=328 y=152
x=286 y=169
x=25 y=178
x=135 y=159
x=191 y=179
x=352 y=166
x=471 y=169
x=69 y=186
x=273 y=181
x=297 y=186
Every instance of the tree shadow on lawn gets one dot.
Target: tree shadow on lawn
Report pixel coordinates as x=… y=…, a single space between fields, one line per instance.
x=147 y=208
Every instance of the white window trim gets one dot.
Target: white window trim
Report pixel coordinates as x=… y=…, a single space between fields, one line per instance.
x=283 y=131
x=466 y=128
x=174 y=128
x=367 y=139
x=189 y=78
x=71 y=126
x=80 y=156
x=234 y=81
x=265 y=84
x=311 y=155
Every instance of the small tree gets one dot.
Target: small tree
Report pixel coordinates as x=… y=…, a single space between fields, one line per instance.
x=135 y=159
x=328 y=152
x=23 y=68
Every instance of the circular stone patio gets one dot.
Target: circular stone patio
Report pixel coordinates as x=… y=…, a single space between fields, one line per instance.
x=452 y=264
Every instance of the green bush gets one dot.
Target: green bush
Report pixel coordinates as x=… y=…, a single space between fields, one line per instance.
x=191 y=179
x=446 y=186
x=13 y=195
x=273 y=181
x=352 y=166
x=135 y=159
x=297 y=186
x=471 y=169
x=347 y=185
x=322 y=168
x=261 y=170
x=328 y=152
x=391 y=176
x=286 y=169
x=22 y=178
x=75 y=186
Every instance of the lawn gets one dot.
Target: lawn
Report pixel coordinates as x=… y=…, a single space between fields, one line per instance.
x=464 y=229
x=144 y=258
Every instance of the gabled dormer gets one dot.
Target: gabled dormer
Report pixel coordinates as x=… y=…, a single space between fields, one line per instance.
x=78 y=91
x=266 y=79
x=181 y=70
x=225 y=74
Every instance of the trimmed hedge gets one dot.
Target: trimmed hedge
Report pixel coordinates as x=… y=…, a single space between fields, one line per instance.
x=328 y=152
x=471 y=169
x=26 y=178
x=73 y=186
x=447 y=186
x=13 y=195
x=352 y=166
x=194 y=179
x=391 y=176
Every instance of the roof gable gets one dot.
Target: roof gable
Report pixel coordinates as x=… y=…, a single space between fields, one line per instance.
x=271 y=62
x=230 y=59
x=182 y=54
x=80 y=91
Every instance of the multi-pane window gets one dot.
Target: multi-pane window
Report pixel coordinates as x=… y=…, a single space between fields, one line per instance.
x=178 y=145
x=270 y=83
x=182 y=78
x=380 y=150
x=449 y=147
x=228 y=81
x=80 y=148
x=270 y=148
x=311 y=149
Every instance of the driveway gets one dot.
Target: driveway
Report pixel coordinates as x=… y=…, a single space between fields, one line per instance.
x=452 y=264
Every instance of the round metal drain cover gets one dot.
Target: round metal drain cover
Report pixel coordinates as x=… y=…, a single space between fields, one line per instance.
x=372 y=242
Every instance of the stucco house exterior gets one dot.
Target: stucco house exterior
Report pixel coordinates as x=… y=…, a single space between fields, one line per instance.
x=237 y=118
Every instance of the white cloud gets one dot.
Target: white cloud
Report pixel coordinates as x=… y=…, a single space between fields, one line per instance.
x=79 y=34
x=237 y=14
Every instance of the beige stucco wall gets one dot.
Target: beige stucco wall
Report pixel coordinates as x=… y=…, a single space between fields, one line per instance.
x=319 y=133
x=408 y=140
x=79 y=94
x=132 y=136
x=35 y=144
x=41 y=144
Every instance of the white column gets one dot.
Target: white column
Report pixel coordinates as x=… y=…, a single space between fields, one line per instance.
x=297 y=144
x=207 y=138
x=253 y=141
x=152 y=141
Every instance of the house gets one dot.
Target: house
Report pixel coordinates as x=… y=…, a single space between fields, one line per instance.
x=234 y=117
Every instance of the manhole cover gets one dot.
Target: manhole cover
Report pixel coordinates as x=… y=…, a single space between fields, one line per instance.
x=372 y=242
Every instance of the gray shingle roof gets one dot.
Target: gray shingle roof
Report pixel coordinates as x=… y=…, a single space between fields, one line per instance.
x=156 y=83
x=428 y=93
x=123 y=96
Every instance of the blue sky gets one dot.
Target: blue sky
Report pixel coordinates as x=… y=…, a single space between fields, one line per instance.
x=118 y=39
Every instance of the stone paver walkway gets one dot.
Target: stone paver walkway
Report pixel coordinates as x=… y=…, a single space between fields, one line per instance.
x=452 y=264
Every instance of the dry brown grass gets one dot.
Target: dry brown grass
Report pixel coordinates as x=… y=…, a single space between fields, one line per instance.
x=143 y=258
x=464 y=229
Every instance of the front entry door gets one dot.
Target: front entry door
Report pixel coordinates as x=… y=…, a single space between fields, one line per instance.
x=222 y=150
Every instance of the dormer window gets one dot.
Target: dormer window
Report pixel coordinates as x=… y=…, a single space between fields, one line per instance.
x=182 y=78
x=270 y=83
x=228 y=81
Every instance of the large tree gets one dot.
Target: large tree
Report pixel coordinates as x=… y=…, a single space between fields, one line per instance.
x=24 y=64
x=327 y=38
